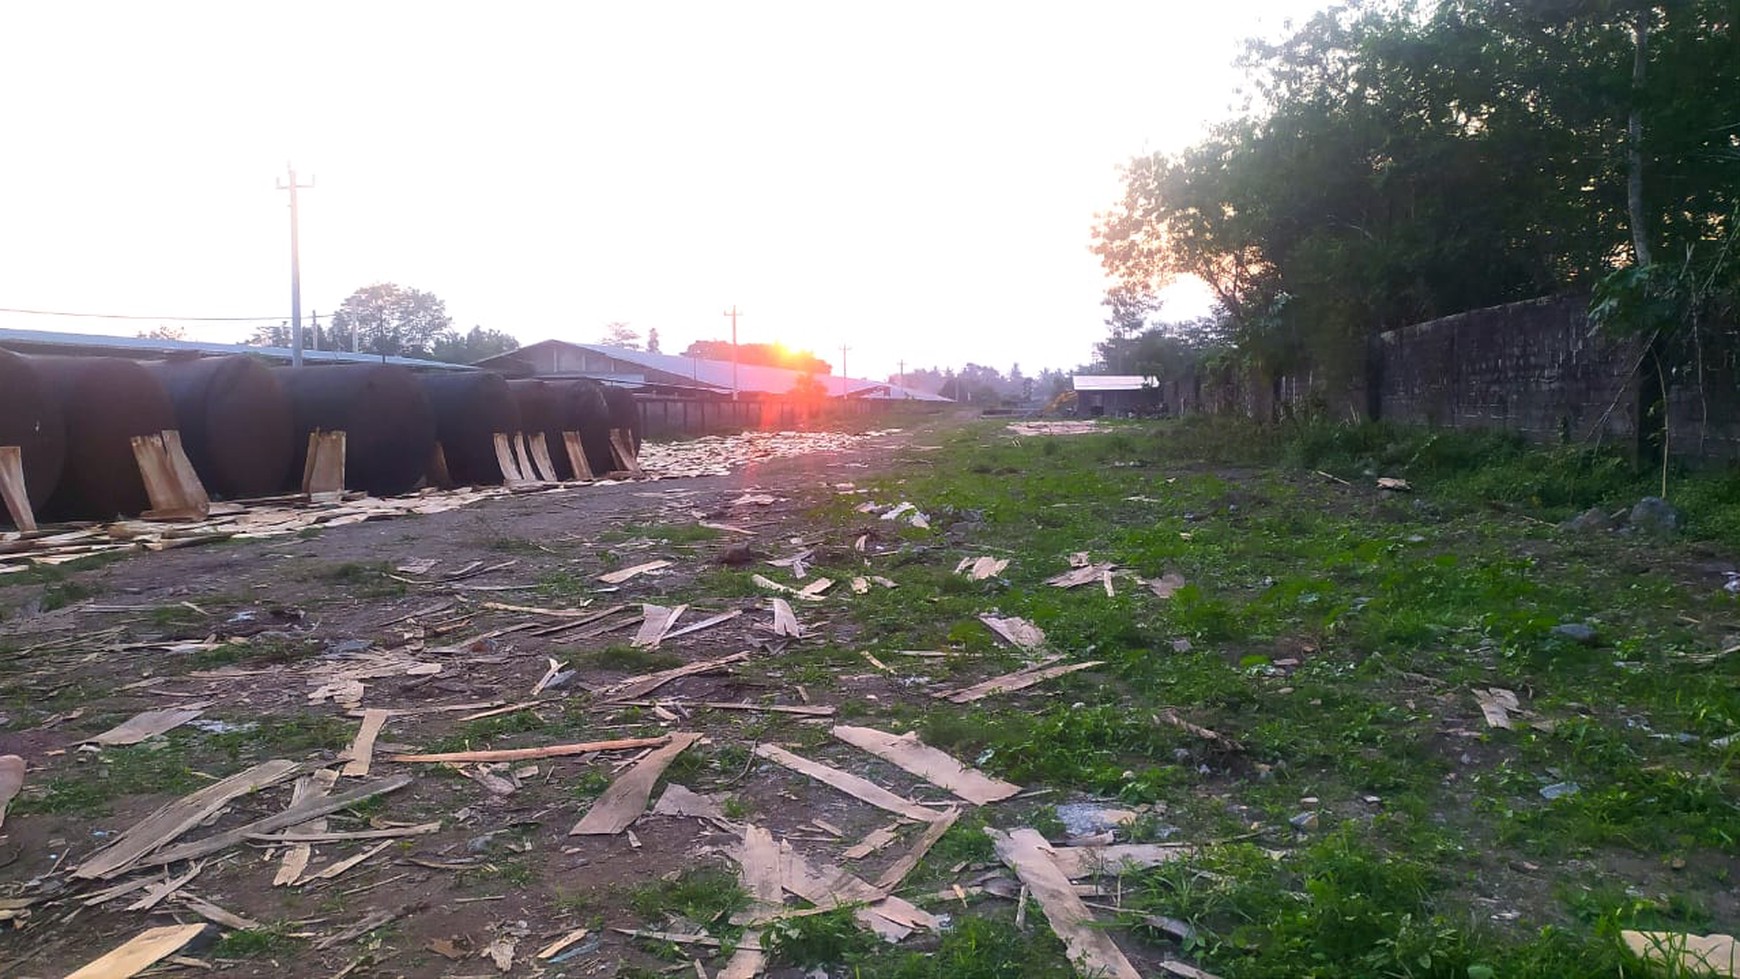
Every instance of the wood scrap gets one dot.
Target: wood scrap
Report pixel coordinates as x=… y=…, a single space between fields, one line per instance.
x=12 y=489
x=217 y=915
x=626 y=799
x=796 y=563
x=1078 y=862
x=1019 y=680
x=656 y=621
x=169 y=822
x=680 y=800
x=801 y=710
x=622 y=448
x=361 y=752
x=1184 y=970
x=310 y=809
x=935 y=767
x=333 y=870
x=555 y=948
x=897 y=871
x=525 y=754
x=784 y=622
x=1684 y=954
x=139 y=952
x=771 y=585
x=643 y=685
x=706 y=623
x=299 y=835
x=853 y=785
x=12 y=770
x=550 y=673
x=1015 y=631
x=875 y=840
x=860 y=586
x=828 y=887
x=323 y=469
x=813 y=591
x=1166 y=585
x=296 y=856
x=367 y=924
x=149 y=724
x=978 y=569
x=577 y=457
x=1090 y=947
x=155 y=893
x=1497 y=704
x=1171 y=716
x=1077 y=576
x=618 y=577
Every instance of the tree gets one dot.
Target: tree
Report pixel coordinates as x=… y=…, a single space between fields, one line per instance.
x=652 y=340
x=163 y=332
x=618 y=334
x=390 y=320
x=275 y=335
x=472 y=347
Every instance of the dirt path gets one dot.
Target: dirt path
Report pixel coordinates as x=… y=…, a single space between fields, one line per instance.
x=252 y=629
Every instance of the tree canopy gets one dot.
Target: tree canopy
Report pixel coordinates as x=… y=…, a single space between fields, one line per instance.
x=391 y=320
x=1406 y=161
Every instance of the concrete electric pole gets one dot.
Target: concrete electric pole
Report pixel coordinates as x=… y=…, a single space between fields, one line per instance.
x=295 y=270
x=732 y=312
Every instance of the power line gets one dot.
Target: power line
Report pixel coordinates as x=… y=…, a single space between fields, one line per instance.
x=131 y=316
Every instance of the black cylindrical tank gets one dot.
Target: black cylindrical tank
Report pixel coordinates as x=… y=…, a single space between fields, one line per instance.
x=580 y=406
x=105 y=402
x=625 y=413
x=30 y=418
x=235 y=422
x=388 y=424
x=470 y=407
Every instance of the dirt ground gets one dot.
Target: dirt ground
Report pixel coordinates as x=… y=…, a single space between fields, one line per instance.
x=500 y=864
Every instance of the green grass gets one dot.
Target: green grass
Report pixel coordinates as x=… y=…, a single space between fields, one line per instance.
x=705 y=895
x=256 y=943
x=1334 y=635
x=623 y=658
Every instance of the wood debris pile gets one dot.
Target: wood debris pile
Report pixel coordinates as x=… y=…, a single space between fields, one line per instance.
x=719 y=455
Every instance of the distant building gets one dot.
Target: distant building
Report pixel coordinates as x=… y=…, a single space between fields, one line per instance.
x=1117 y=394
x=151 y=348
x=669 y=375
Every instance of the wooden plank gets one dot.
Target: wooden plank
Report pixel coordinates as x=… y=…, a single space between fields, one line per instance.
x=1090 y=947
x=934 y=766
x=334 y=870
x=876 y=840
x=655 y=622
x=526 y=754
x=1019 y=680
x=827 y=887
x=505 y=460
x=362 y=750
x=299 y=835
x=541 y=455
x=139 y=952
x=149 y=724
x=176 y=818
x=529 y=464
x=311 y=809
x=618 y=577
x=323 y=475
x=626 y=799
x=187 y=480
x=1015 y=631
x=577 y=456
x=622 y=447
x=1683 y=954
x=642 y=685
x=897 y=871
x=297 y=855
x=859 y=788
x=12 y=491
x=439 y=475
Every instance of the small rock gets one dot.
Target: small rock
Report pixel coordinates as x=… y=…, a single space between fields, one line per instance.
x=1592 y=520
x=1559 y=790
x=1654 y=515
x=1181 y=645
x=1305 y=822
x=1579 y=632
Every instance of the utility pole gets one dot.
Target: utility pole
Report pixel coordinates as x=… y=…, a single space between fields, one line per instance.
x=314 y=327
x=843 y=375
x=732 y=312
x=902 y=375
x=295 y=269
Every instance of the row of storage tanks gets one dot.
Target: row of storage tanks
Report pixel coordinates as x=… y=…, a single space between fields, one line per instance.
x=245 y=425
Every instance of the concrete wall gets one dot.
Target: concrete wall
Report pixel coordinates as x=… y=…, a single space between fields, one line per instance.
x=1538 y=367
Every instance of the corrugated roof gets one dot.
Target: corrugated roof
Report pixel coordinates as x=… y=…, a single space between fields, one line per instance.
x=715 y=375
x=1113 y=382
x=24 y=341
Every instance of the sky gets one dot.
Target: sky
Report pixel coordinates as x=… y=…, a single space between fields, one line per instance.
x=915 y=181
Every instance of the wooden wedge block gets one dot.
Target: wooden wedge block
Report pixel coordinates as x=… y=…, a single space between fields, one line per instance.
x=622 y=447
x=511 y=474
x=541 y=455
x=528 y=465
x=12 y=488
x=323 y=473
x=577 y=456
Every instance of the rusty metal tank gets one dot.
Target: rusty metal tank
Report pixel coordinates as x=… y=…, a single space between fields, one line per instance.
x=30 y=418
x=388 y=424
x=105 y=402
x=235 y=422
x=470 y=407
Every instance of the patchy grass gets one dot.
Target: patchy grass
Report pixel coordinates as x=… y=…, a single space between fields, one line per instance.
x=705 y=895
x=255 y=943
x=623 y=658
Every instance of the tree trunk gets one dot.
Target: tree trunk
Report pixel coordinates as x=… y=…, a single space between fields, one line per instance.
x=1634 y=133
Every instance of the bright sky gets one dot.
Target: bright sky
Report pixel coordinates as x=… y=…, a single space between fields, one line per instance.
x=915 y=180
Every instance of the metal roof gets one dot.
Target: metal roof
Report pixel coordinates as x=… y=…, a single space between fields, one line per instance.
x=715 y=375
x=26 y=341
x=1113 y=382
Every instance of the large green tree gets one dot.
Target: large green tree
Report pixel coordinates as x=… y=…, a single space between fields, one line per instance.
x=1407 y=161
x=388 y=319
